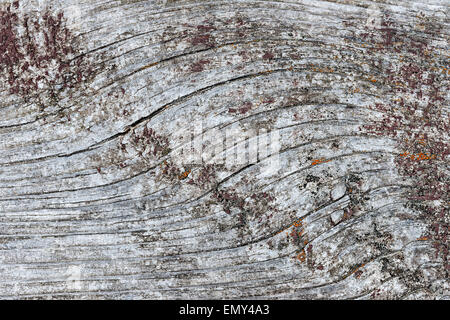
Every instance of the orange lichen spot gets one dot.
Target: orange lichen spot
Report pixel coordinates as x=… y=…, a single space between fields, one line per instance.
x=422 y=156
x=357 y=268
x=184 y=175
x=372 y=79
x=317 y=161
x=149 y=65
x=302 y=256
x=423 y=238
x=298 y=223
x=419 y=156
x=164 y=163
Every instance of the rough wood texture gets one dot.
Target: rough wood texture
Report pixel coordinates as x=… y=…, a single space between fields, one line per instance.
x=95 y=97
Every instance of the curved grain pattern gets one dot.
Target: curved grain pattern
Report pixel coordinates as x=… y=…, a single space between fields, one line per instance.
x=95 y=201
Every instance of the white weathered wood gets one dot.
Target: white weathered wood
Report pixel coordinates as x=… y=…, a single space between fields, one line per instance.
x=82 y=217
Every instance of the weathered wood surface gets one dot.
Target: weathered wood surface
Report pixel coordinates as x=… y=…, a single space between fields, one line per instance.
x=88 y=209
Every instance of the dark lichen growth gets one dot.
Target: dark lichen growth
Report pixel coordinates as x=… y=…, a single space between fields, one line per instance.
x=170 y=171
x=415 y=118
x=147 y=143
x=39 y=56
x=199 y=65
x=254 y=206
x=200 y=35
x=205 y=177
x=247 y=106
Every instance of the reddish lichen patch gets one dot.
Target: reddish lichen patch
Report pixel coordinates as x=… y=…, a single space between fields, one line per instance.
x=39 y=55
x=296 y=236
x=170 y=171
x=205 y=177
x=246 y=107
x=268 y=55
x=205 y=27
x=268 y=100
x=149 y=145
x=255 y=206
x=199 y=65
x=201 y=39
x=201 y=34
x=249 y=206
x=244 y=54
x=415 y=118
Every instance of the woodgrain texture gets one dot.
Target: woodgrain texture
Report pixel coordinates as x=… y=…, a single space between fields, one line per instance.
x=94 y=204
